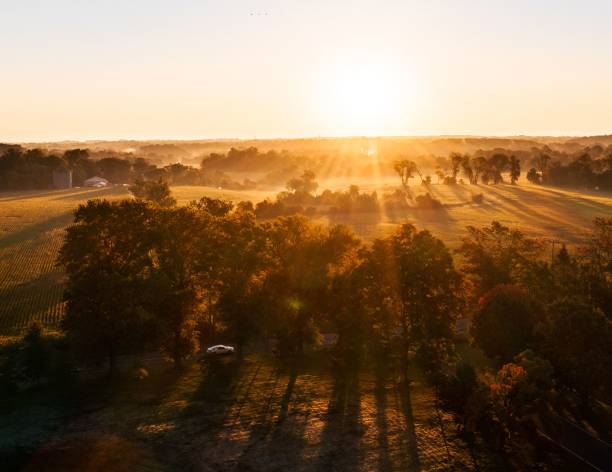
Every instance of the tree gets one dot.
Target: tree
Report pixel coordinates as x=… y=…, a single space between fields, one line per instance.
x=406 y=170
x=541 y=162
x=173 y=291
x=417 y=277
x=468 y=170
x=106 y=255
x=577 y=339
x=115 y=170
x=456 y=160
x=240 y=270
x=533 y=176
x=306 y=184
x=498 y=163
x=515 y=169
x=596 y=265
x=157 y=192
x=503 y=323
x=35 y=360
x=74 y=156
x=302 y=257
x=216 y=206
x=141 y=166
x=480 y=169
x=496 y=255
x=81 y=165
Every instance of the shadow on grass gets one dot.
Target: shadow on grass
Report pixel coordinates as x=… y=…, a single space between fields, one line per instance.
x=36 y=428
x=410 y=459
x=380 y=395
x=93 y=193
x=343 y=431
x=276 y=435
x=35 y=230
x=30 y=194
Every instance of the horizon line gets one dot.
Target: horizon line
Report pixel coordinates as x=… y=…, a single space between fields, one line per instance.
x=305 y=137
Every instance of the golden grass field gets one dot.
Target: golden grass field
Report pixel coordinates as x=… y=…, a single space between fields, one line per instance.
x=32 y=226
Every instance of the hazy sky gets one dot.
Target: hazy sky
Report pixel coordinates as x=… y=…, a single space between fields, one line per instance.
x=195 y=69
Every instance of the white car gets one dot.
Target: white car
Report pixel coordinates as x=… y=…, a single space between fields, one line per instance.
x=220 y=350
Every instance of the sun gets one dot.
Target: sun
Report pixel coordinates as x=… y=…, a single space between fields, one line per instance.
x=361 y=99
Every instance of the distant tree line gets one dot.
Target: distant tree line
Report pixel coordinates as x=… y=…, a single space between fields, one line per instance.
x=30 y=169
x=588 y=168
x=584 y=171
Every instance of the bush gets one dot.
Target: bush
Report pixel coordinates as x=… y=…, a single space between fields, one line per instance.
x=36 y=358
x=477 y=197
x=395 y=201
x=427 y=202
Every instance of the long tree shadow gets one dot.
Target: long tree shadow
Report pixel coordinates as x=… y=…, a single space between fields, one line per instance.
x=22 y=303
x=35 y=230
x=342 y=433
x=90 y=194
x=529 y=212
x=217 y=393
x=380 y=394
x=406 y=406
x=276 y=436
x=31 y=194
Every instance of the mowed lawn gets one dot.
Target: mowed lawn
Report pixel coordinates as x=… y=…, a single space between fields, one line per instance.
x=254 y=415
x=32 y=227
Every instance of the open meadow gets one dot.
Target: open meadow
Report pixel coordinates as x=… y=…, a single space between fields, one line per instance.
x=32 y=227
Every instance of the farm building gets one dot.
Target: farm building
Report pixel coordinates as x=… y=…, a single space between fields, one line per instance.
x=96 y=182
x=62 y=178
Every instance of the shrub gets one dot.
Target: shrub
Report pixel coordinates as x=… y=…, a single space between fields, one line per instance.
x=395 y=201
x=477 y=197
x=427 y=202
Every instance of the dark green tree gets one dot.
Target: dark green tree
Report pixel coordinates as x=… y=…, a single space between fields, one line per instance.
x=157 y=192
x=416 y=272
x=577 y=339
x=106 y=255
x=504 y=321
x=515 y=169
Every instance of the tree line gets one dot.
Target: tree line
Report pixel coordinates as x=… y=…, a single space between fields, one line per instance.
x=32 y=169
x=591 y=167
x=177 y=275
x=584 y=171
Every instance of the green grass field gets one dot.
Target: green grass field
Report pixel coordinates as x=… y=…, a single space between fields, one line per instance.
x=32 y=226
